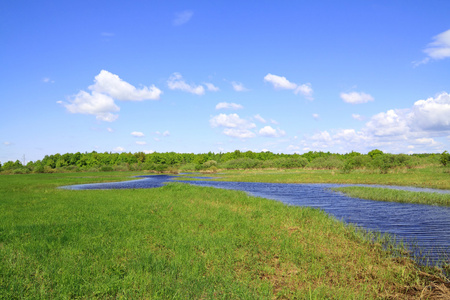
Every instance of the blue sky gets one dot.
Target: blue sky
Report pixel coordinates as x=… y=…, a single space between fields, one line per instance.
x=200 y=76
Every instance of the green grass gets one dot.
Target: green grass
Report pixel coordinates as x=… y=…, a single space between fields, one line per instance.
x=431 y=177
x=183 y=242
x=392 y=195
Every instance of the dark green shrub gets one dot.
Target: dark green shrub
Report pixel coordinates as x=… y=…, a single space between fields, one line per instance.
x=106 y=169
x=445 y=158
x=328 y=163
x=290 y=162
x=243 y=163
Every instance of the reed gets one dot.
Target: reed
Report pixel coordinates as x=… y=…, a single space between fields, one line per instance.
x=391 y=195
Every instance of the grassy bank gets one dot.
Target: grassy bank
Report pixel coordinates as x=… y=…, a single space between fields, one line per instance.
x=431 y=177
x=184 y=242
x=391 y=195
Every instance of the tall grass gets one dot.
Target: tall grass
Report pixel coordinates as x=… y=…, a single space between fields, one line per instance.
x=183 y=242
x=392 y=195
x=431 y=177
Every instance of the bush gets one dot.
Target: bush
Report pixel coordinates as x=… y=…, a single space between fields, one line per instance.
x=290 y=163
x=331 y=162
x=106 y=169
x=445 y=158
x=242 y=163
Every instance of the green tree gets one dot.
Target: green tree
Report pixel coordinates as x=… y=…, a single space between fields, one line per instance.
x=445 y=158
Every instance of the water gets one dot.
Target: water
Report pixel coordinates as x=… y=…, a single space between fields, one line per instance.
x=425 y=226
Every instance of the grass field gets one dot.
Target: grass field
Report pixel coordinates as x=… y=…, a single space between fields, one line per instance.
x=391 y=195
x=431 y=177
x=186 y=242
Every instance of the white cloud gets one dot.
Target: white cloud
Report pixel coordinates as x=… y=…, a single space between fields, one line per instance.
x=316 y=116
x=141 y=143
x=98 y=104
x=273 y=122
x=356 y=98
x=231 y=120
x=239 y=133
x=260 y=119
x=112 y=85
x=226 y=105
x=182 y=17
x=238 y=87
x=7 y=143
x=137 y=134
x=110 y=129
x=432 y=114
x=397 y=130
x=176 y=82
x=166 y=133
x=390 y=123
x=279 y=82
x=234 y=125
x=440 y=47
x=305 y=90
x=119 y=149
x=268 y=131
x=357 y=117
x=211 y=87
x=149 y=151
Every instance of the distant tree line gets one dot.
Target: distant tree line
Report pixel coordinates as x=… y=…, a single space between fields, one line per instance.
x=210 y=162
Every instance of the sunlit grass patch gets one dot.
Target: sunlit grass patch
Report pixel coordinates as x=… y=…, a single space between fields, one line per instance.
x=392 y=195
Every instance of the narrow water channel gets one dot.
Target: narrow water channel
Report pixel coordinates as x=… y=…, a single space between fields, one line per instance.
x=425 y=226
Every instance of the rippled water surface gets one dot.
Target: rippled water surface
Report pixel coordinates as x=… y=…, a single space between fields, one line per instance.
x=424 y=225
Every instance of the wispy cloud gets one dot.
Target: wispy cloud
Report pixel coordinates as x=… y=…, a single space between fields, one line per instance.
x=436 y=50
x=176 y=82
x=227 y=105
x=259 y=118
x=211 y=87
x=281 y=83
x=238 y=86
x=47 y=80
x=182 y=17
x=356 y=98
x=137 y=134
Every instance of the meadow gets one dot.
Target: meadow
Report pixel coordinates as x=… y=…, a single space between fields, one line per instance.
x=187 y=242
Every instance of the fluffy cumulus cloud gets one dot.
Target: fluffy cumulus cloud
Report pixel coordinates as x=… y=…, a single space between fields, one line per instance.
x=141 y=143
x=397 y=130
x=234 y=125
x=231 y=120
x=432 y=113
x=107 y=88
x=227 y=105
x=98 y=104
x=280 y=82
x=137 y=134
x=268 y=131
x=112 y=85
x=182 y=17
x=176 y=82
x=356 y=98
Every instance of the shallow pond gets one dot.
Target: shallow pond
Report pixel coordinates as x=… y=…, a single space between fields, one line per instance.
x=425 y=226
